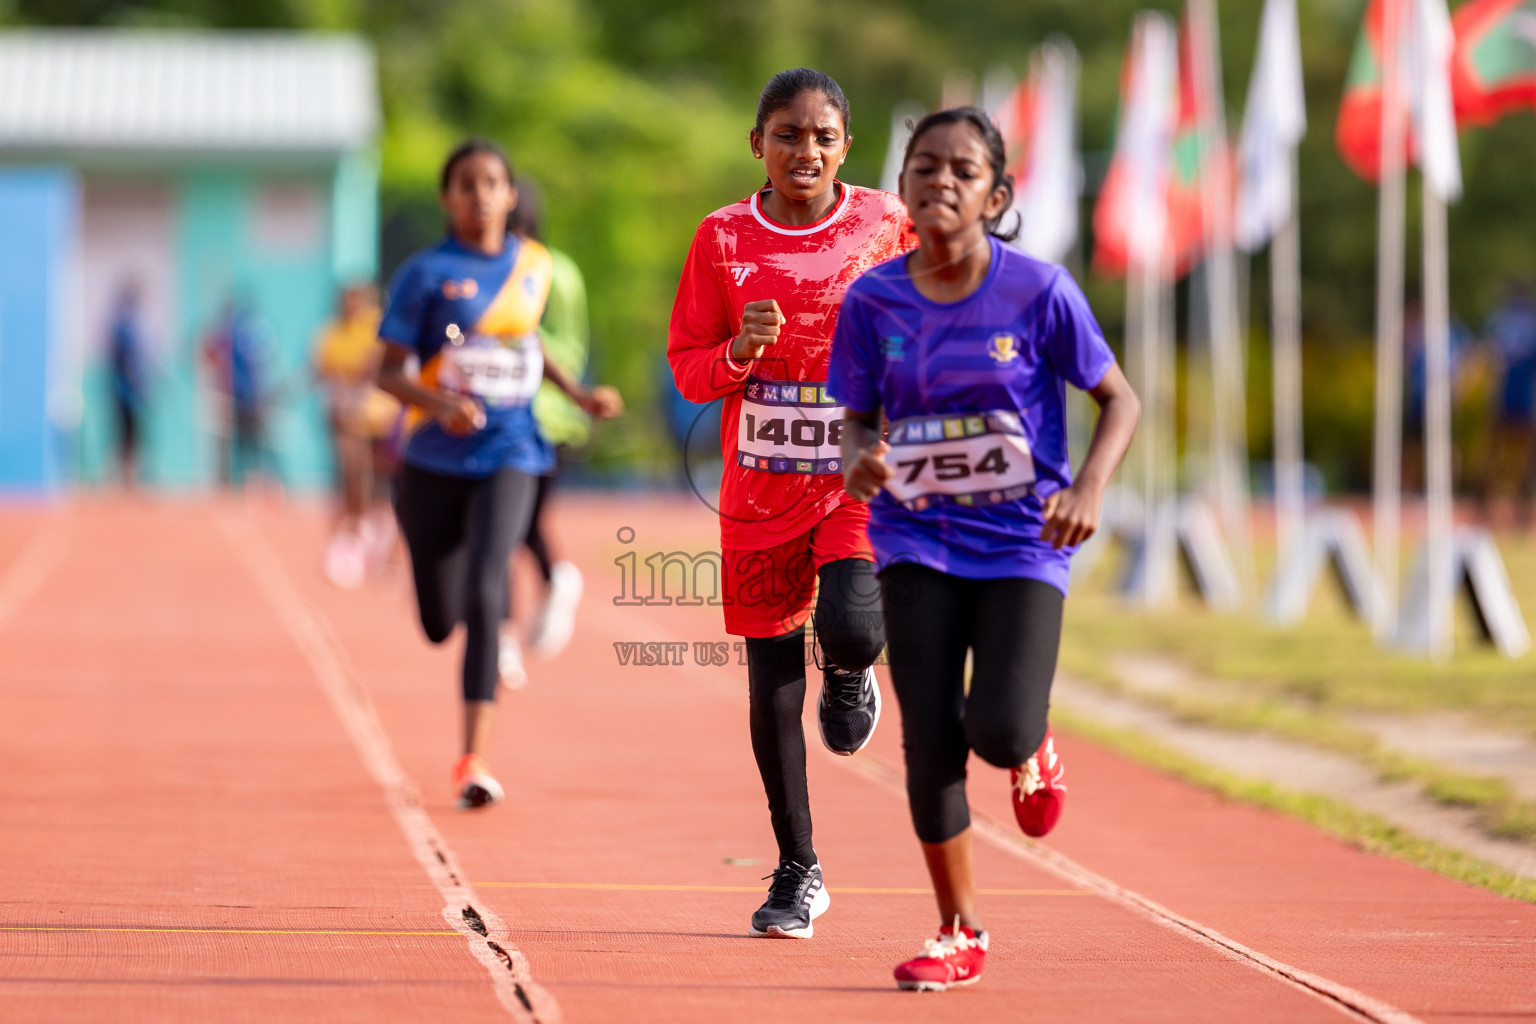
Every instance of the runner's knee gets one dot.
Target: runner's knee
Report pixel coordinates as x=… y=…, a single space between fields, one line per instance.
x=437 y=628
x=488 y=595
x=849 y=623
x=1003 y=744
x=938 y=805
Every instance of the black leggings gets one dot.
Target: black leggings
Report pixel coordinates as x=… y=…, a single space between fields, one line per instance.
x=537 y=544
x=1013 y=628
x=460 y=532
x=848 y=631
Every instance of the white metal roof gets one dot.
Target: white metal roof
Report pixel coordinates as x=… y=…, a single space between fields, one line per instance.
x=132 y=90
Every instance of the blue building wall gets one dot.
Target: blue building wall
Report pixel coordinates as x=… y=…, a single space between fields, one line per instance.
x=37 y=232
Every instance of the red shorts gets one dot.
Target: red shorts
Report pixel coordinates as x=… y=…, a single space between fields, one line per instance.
x=771 y=591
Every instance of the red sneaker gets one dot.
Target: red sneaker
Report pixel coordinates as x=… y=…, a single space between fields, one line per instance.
x=474 y=783
x=956 y=957
x=1039 y=789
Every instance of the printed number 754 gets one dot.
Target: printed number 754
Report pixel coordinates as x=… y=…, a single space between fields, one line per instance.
x=954 y=465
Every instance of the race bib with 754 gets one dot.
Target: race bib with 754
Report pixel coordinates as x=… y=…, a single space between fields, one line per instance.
x=972 y=459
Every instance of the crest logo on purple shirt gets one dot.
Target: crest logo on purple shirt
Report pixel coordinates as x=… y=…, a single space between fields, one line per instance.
x=1003 y=348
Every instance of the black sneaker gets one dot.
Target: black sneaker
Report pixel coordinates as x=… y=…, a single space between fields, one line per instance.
x=795 y=899
x=848 y=710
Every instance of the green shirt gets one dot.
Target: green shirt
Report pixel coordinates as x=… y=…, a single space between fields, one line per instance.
x=566 y=335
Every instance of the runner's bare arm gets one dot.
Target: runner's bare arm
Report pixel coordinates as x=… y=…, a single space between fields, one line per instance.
x=864 y=467
x=602 y=402
x=458 y=414
x=1072 y=514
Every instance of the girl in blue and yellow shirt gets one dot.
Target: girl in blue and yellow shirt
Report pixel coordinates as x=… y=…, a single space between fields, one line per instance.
x=468 y=310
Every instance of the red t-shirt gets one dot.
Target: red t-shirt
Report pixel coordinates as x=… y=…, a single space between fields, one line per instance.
x=740 y=256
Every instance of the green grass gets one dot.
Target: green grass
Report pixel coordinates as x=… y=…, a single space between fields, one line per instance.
x=1502 y=813
x=1328 y=662
x=1298 y=683
x=1365 y=831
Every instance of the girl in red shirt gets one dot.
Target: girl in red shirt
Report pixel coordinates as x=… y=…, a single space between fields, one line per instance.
x=752 y=326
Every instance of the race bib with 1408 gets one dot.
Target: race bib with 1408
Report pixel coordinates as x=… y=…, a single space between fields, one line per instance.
x=973 y=459
x=499 y=371
x=789 y=427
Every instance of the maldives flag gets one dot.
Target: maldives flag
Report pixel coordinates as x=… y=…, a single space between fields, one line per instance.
x=1494 y=68
x=1038 y=120
x=1152 y=193
x=1193 y=160
x=1425 y=67
x=1130 y=219
x=1358 y=134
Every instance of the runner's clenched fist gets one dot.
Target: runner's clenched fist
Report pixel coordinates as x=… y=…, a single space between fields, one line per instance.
x=760 y=323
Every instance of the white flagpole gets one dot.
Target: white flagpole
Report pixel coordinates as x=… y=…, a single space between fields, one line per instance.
x=1268 y=211
x=1437 y=427
x=1438 y=157
x=1229 y=441
x=1387 y=471
x=1156 y=43
x=1285 y=341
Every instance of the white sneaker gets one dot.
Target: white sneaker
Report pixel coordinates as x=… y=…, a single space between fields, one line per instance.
x=557 y=617
x=346 y=561
x=509 y=661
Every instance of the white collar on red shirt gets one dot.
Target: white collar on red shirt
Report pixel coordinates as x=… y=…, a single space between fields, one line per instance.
x=825 y=222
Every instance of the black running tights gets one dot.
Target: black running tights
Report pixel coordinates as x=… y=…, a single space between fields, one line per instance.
x=1012 y=627
x=535 y=541
x=460 y=532
x=848 y=630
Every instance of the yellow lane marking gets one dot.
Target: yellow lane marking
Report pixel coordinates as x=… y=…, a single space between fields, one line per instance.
x=632 y=887
x=217 y=931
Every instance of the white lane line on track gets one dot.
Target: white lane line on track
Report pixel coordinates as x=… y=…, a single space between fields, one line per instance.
x=1350 y=1002
x=1353 y=1003
x=28 y=572
x=523 y=998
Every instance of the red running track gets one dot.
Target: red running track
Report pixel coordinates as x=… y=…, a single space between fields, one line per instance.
x=223 y=795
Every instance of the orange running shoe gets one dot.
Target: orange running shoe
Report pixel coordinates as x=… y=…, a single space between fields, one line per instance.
x=1040 y=789
x=475 y=784
x=956 y=957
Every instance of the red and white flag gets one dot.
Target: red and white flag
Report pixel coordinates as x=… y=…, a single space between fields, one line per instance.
x=1427 y=46
x=1130 y=220
x=1434 y=108
x=1038 y=120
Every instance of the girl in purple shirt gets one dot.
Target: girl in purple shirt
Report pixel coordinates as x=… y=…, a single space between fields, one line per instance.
x=965 y=347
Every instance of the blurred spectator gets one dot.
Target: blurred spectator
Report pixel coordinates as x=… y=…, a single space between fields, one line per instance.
x=1415 y=383
x=361 y=419
x=1512 y=336
x=128 y=358
x=236 y=351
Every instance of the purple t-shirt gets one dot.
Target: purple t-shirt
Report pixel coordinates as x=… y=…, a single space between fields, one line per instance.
x=975 y=392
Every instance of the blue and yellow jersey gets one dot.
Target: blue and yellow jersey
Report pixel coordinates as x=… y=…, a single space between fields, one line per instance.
x=473 y=321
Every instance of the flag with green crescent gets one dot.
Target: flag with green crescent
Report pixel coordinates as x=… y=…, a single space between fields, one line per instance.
x=1494 y=68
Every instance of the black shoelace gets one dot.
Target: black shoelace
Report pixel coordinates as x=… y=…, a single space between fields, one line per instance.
x=845 y=690
x=790 y=880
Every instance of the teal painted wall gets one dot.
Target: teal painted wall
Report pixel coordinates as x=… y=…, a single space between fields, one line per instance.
x=355 y=218
x=291 y=294
x=224 y=246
